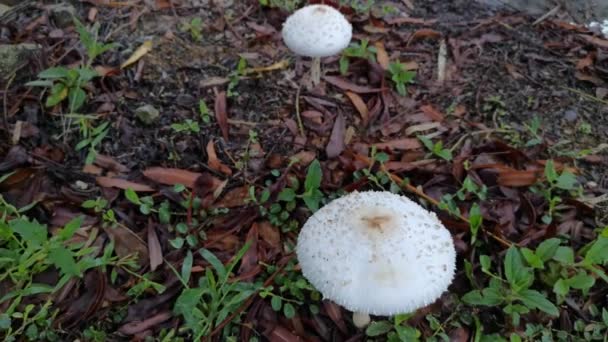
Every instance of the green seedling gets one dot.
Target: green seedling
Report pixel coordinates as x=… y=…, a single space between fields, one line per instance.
x=204 y=112
x=555 y=183
x=395 y=330
x=189 y=127
x=312 y=195
x=436 y=148
x=356 y=50
x=195 y=28
x=401 y=77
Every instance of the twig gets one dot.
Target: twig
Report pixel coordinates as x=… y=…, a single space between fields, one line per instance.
x=300 y=125
x=546 y=15
x=583 y=94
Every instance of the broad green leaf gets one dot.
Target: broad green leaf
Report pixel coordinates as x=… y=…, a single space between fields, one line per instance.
x=564 y=255
x=76 y=99
x=33 y=232
x=312 y=199
x=53 y=73
x=485 y=262
x=475 y=220
x=313 y=176
x=70 y=228
x=276 y=303
x=58 y=93
x=535 y=299
x=287 y=195
x=566 y=181
x=186 y=304
x=512 y=265
x=378 y=328
x=219 y=267
x=561 y=287
x=514 y=338
x=426 y=142
x=550 y=172
x=487 y=297
x=63 y=259
x=187 y=267
x=581 y=281
x=533 y=260
x=546 y=249
x=132 y=196
x=598 y=253
x=289 y=311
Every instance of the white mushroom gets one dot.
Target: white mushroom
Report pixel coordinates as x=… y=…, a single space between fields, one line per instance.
x=316 y=31
x=377 y=253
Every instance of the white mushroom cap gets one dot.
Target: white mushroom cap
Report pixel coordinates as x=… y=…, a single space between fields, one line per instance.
x=377 y=253
x=317 y=31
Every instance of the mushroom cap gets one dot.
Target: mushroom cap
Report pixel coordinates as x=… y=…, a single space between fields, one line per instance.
x=377 y=252
x=317 y=31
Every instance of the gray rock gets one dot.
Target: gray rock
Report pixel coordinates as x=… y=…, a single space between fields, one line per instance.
x=147 y=114
x=4 y=8
x=62 y=14
x=14 y=55
x=570 y=115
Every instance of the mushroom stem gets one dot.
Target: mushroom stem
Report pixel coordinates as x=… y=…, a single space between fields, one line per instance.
x=315 y=71
x=361 y=319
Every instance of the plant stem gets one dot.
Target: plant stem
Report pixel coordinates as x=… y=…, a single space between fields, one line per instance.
x=315 y=71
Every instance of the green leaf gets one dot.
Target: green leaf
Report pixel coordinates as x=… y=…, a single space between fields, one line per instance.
x=187 y=302
x=132 y=196
x=561 y=287
x=581 y=281
x=550 y=172
x=70 y=228
x=381 y=157
x=445 y=154
x=287 y=195
x=485 y=262
x=289 y=311
x=486 y=297
x=566 y=181
x=187 y=267
x=533 y=260
x=312 y=200
x=546 y=249
x=605 y=316
x=534 y=299
x=514 y=338
x=564 y=255
x=512 y=264
x=63 y=259
x=54 y=73
x=215 y=262
x=5 y=321
x=276 y=303
x=313 y=176
x=177 y=243
x=39 y=83
x=76 y=99
x=378 y=328
x=475 y=220
x=33 y=232
x=58 y=93
x=598 y=253
x=426 y=142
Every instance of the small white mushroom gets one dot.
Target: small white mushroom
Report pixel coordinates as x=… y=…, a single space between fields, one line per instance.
x=377 y=253
x=316 y=31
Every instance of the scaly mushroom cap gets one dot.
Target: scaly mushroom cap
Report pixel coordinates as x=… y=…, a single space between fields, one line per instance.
x=377 y=253
x=317 y=31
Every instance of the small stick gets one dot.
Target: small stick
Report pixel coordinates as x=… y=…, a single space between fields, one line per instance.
x=298 y=117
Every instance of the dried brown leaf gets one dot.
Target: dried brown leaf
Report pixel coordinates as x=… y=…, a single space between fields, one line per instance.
x=170 y=176
x=119 y=183
x=133 y=328
x=382 y=55
x=221 y=114
x=213 y=162
x=359 y=105
x=336 y=141
x=154 y=249
x=347 y=85
x=400 y=144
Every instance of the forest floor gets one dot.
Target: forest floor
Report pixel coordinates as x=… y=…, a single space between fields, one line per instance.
x=143 y=183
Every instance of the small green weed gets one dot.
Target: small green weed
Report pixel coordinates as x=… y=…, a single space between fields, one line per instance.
x=189 y=127
x=195 y=28
x=555 y=183
x=356 y=50
x=401 y=77
x=436 y=148
x=394 y=329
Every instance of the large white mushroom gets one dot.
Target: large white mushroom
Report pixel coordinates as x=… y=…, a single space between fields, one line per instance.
x=316 y=31
x=377 y=253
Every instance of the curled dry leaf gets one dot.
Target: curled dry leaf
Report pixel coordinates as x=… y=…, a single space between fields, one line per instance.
x=234 y=198
x=347 y=85
x=360 y=105
x=517 y=178
x=141 y=51
x=110 y=164
x=213 y=162
x=433 y=113
x=119 y=183
x=400 y=144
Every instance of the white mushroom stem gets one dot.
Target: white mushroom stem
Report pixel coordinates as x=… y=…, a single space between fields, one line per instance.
x=315 y=71
x=361 y=319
